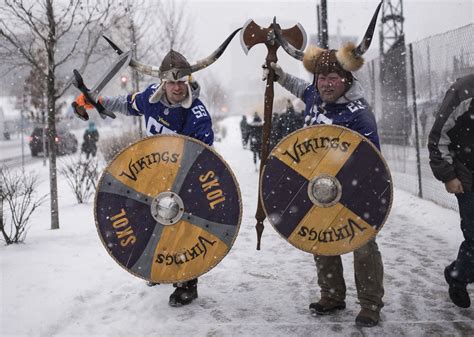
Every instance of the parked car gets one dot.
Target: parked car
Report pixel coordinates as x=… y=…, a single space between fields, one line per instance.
x=66 y=142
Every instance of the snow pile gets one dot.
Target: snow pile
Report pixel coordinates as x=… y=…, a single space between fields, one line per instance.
x=64 y=283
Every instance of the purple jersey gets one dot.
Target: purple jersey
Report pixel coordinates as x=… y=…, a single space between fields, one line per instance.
x=160 y=118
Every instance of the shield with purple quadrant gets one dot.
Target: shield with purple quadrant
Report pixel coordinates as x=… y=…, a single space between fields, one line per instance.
x=326 y=189
x=168 y=208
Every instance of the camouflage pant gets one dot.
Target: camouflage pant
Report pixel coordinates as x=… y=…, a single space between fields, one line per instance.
x=368 y=270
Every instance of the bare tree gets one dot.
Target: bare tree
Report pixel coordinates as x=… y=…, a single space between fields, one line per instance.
x=215 y=96
x=46 y=35
x=131 y=29
x=174 y=28
x=35 y=93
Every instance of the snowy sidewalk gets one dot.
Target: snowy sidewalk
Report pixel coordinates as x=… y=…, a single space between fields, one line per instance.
x=63 y=282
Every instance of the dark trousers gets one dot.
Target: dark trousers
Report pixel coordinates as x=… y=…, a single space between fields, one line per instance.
x=188 y=284
x=463 y=267
x=368 y=272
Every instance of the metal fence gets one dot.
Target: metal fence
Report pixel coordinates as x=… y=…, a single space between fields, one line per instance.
x=406 y=87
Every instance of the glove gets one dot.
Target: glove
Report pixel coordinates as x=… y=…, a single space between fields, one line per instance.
x=80 y=105
x=279 y=73
x=83 y=102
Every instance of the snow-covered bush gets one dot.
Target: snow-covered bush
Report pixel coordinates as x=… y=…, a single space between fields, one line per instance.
x=114 y=144
x=82 y=176
x=18 y=194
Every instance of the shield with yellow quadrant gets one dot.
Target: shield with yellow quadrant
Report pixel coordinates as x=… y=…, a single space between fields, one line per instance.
x=168 y=208
x=326 y=189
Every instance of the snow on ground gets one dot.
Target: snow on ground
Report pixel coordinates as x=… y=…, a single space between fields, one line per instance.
x=64 y=283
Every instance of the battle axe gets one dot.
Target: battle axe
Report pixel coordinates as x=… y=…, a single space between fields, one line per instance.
x=251 y=35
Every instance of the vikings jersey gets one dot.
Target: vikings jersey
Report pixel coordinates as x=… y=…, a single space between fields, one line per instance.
x=161 y=118
x=350 y=110
x=355 y=115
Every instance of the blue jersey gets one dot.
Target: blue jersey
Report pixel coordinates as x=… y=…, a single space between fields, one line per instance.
x=355 y=115
x=160 y=118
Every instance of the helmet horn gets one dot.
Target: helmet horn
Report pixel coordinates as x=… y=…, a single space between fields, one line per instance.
x=365 y=44
x=201 y=64
x=155 y=71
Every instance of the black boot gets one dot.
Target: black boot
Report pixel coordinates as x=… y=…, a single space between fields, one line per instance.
x=368 y=317
x=184 y=294
x=326 y=306
x=457 y=290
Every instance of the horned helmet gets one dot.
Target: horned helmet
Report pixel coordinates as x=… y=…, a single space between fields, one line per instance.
x=344 y=61
x=175 y=67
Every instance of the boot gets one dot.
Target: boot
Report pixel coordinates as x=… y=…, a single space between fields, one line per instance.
x=368 y=317
x=184 y=294
x=457 y=290
x=326 y=306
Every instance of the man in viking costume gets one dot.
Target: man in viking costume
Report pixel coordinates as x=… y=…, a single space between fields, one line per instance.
x=336 y=97
x=171 y=106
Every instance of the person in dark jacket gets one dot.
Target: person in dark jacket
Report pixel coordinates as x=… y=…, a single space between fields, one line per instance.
x=90 y=139
x=244 y=131
x=290 y=121
x=336 y=97
x=275 y=134
x=255 y=137
x=451 y=147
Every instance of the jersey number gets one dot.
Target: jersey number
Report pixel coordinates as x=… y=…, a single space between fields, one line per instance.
x=199 y=111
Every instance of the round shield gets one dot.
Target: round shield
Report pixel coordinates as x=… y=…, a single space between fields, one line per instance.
x=168 y=208
x=326 y=189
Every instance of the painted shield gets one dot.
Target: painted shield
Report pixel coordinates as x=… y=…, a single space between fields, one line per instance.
x=326 y=189
x=168 y=208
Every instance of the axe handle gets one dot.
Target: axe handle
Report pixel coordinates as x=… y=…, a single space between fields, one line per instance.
x=267 y=126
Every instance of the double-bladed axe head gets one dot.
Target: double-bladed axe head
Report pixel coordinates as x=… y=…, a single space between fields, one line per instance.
x=252 y=34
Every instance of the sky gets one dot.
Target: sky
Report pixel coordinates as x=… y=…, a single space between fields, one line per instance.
x=64 y=283
x=214 y=20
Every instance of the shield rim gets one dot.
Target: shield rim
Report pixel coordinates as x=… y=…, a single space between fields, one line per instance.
x=211 y=266
x=344 y=129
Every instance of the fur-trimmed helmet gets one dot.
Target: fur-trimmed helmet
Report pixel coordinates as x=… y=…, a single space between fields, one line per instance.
x=324 y=61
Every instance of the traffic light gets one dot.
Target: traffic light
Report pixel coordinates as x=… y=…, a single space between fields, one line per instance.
x=123 y=81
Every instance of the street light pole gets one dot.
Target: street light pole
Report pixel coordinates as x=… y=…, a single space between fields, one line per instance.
x=22 y=131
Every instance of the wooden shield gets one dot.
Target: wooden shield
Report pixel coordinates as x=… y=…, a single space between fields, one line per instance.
x=168 y=208
x=326 y=189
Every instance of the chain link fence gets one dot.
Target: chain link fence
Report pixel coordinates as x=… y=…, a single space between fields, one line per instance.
x=406 y=87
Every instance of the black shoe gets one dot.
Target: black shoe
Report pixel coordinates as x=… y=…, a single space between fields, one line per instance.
x=367 y=318
x=326 y=306
x=184 y=294
x=151 y=283
x=457 y=291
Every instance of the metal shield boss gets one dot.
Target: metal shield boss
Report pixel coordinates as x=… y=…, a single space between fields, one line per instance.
x=326 y=189
x=168 y=208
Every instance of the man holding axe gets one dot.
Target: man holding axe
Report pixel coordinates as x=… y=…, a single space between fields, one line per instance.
x=335 y=97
